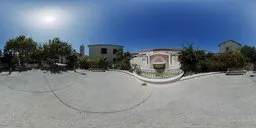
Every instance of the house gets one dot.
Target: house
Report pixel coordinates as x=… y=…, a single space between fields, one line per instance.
x=229 y=45
x=134 y=54
x=62 y=60
x=103 y=50
x=146 y=59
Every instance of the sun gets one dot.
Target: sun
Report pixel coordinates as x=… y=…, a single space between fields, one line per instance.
x=49 y=19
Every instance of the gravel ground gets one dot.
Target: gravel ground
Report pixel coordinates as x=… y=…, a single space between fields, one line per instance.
x=37 y=99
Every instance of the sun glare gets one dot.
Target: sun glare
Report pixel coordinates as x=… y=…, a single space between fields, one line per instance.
x=49 y=19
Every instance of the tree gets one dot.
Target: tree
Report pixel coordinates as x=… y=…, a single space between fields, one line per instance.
x=23 y=45
x=72 y=60
x=83 y=62
x=200 y=56
x=101 y=62
x=122 y=60
x=1 y=53
x=38 y=54
x=55 y=48
x=234 y=59
x=125 y=63
x=249 y=53
x=199 y=61
x=187 y=59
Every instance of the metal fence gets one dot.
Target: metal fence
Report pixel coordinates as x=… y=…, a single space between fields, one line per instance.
x=152 y=74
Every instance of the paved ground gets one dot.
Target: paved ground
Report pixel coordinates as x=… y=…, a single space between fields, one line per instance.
x=36 y=99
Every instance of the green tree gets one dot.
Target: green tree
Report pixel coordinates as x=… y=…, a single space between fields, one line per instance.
x=25 y=46
x=102 y=62
x=249 y=53
x=84 y=62
x=125 y=63
x=187 y=59
x=55 y=48
x=234 y=59
x=122 y=60
x=38 y=54
x=72 y=60
x=1 y=53
x=200 y=56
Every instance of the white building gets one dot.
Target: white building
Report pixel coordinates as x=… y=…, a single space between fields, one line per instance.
x=147 y=58
x=229 y=45
x=103 y=50
x=62 y=60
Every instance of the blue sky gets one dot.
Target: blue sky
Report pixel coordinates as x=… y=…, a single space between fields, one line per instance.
x=136 y=24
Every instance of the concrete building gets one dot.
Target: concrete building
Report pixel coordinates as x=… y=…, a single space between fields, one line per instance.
x=62 y=60
x=229 y=45
x=147 y=58
x=82 y=50
x=104 y=50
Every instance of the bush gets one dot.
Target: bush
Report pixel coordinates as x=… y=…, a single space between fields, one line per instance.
x=99 y=63
x=83 y=63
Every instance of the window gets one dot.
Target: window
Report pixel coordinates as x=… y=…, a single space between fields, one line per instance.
x=114 y=51
x=104 y=50
x=227 y=48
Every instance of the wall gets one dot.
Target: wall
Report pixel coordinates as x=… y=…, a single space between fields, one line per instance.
x=175 y=64
x=159 y=58
x=143 y=61
x=231 y=45
x=95 y=50
x=63 y=58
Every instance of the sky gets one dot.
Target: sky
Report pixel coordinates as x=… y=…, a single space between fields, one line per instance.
x=135 y=24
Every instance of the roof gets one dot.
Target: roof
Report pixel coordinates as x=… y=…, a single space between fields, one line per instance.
x=90 y=45
x=134 y=54
x=162 y=49
x=230 y=41
x=217 y=54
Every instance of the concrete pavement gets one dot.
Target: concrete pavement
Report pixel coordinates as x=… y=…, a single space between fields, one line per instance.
x=208 y=101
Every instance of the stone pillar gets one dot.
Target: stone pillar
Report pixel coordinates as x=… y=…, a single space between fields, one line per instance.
x=173 y=61
x=148 y=61
x=170 y=57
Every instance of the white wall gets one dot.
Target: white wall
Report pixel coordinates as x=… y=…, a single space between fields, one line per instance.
x=231 y=45
x=141 y=60
x=63 y=58
x=95 y=50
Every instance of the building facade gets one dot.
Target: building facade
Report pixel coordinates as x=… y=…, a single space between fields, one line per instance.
x=62 y=60
x=103 y=50
x=147 y=58
x=229 y=45
x=82 y=50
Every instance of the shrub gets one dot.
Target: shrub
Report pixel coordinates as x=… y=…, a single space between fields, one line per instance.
x=83 y=63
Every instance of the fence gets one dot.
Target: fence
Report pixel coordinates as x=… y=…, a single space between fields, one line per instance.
x=152 y=74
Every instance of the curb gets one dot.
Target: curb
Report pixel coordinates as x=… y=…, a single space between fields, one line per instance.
x=198 y=75
x=159 y=81
x=123 y=71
